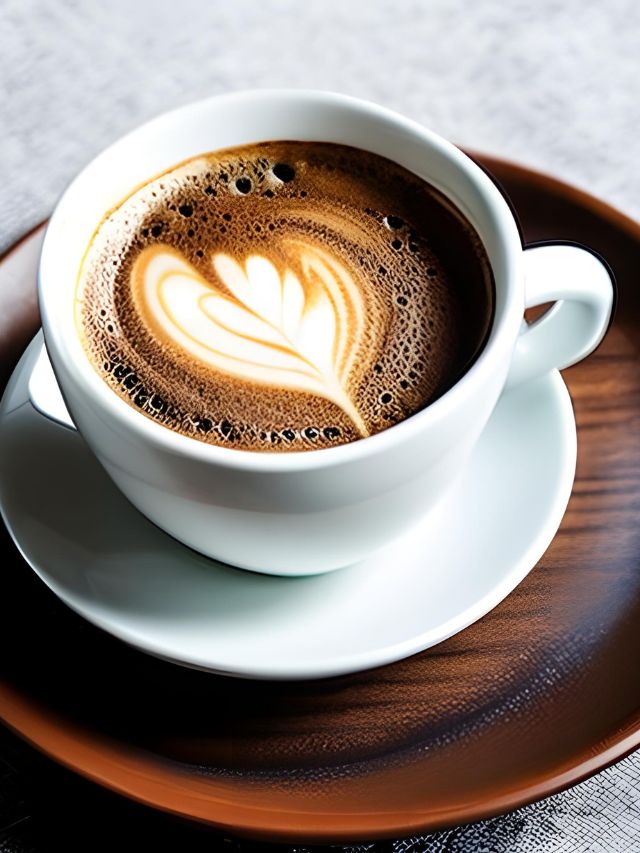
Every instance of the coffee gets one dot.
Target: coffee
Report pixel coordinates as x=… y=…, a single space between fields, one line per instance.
x=283 y=296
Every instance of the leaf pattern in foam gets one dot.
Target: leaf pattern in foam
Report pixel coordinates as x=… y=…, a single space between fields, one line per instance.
x=285 y=330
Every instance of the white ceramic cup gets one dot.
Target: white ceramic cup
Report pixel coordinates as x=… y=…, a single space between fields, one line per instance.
x=309 y=512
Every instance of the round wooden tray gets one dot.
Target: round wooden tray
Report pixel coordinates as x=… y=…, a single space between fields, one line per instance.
x=539 y=694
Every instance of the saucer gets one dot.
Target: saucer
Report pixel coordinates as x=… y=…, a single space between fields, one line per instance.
x=108 y=563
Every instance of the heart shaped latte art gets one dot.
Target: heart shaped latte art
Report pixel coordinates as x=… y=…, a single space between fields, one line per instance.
x=299 y=331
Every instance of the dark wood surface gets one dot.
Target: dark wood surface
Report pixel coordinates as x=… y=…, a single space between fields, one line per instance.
x=537 y=695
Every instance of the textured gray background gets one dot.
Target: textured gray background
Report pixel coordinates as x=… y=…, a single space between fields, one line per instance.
x=552 y=84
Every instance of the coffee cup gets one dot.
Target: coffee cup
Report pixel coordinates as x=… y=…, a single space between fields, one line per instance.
x=299 y=513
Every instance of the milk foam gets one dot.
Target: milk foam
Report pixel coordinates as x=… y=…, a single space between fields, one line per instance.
x=283 y=296
x=259 y=324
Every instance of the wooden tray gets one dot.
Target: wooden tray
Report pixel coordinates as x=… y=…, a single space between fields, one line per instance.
x=539 y=694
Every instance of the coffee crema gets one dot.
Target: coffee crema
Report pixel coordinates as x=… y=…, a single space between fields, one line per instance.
x=283 y=296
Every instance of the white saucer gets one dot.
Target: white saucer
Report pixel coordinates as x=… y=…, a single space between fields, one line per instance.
x=111 y=565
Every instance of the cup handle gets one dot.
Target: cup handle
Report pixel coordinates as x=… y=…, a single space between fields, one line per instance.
x=582 y=288
x=44 y=391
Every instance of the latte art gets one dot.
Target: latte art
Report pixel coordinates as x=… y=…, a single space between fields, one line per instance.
x=263 y=326
x=283 y=296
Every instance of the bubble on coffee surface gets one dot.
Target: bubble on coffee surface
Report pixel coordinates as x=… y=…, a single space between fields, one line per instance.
x=283 y=296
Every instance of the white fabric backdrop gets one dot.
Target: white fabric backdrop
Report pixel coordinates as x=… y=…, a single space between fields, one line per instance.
x=552 y=84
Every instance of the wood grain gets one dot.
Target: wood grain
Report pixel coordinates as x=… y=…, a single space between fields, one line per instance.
x=533 y=697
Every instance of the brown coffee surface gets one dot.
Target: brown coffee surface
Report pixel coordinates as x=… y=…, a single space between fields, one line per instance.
x=283 y=296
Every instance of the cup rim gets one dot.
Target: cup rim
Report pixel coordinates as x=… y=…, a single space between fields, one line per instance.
x=162 y=437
